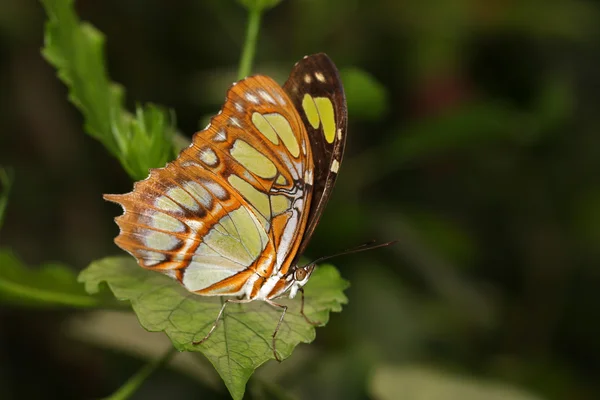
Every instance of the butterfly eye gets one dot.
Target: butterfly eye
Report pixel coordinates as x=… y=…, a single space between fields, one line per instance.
x=300 y=274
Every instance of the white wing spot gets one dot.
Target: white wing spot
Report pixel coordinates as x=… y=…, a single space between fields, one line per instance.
x=266 y=96
x=280 y=99
x=187 y=164
x=251 y=98
x=307 y=78
x=150 y=263
x=195 y=225
x=235 y=122
x=239 y=107
x=320 y=77
x=170 y=273
x=339 y=134
x=151 y=257
x=335 y=166
x=216 y=189
x=308 y=177
x=209 y=157
x=220 y=136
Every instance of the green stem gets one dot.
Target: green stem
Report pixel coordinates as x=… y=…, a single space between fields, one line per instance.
x=134 y=383
x=47 y=297
x=252 y=30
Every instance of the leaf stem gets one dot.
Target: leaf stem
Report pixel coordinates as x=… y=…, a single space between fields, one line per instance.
x=254 y=17
x=134 y=383
x=47 y=297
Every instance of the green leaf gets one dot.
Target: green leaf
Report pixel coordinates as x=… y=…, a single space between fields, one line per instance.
x=421 y=383
x=242 y=340
x=258 y=5
x=366 y=97
x=51 y=285
x=76 y=49
x=6 y=181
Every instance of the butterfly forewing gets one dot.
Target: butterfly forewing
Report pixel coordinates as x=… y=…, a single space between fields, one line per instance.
x=230 y=211
x=316 y=89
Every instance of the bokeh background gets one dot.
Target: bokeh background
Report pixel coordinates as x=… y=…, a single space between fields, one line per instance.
x=473 y=139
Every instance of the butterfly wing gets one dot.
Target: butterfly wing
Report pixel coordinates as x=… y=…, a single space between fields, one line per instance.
x=229 y=211
x=316 y=89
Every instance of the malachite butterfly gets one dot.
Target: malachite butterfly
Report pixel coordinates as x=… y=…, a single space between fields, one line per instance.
x=234 y=212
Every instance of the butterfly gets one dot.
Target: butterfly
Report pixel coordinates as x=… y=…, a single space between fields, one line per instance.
x=232 y=215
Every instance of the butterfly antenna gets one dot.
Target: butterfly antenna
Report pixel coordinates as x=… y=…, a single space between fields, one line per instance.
x=363 y=247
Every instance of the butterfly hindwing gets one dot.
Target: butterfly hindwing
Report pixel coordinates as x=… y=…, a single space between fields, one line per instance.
x=316 y=89
x=234 y=204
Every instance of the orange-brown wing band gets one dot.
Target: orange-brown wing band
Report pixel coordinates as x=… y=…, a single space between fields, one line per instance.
x=236 y=200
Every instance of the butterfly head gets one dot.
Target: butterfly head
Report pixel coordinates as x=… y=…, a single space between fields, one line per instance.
x=299 y=276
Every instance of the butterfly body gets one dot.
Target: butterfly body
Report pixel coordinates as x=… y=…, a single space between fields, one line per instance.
x=233 y=213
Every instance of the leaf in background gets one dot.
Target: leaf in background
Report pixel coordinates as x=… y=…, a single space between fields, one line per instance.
x=420 y=383
x=51 y=285
x=366 y=97
x=76 y=49
x=6 y=181
x=242 y=340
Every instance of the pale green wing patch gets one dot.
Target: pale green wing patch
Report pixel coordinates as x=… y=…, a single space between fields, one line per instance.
x=242 y=341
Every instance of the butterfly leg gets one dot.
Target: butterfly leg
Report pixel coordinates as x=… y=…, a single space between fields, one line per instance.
x=272 y=303
x=313 y=323
x=239 y=301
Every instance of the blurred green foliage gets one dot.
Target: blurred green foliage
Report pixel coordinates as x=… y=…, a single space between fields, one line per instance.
x=421 y=383
x=139 y=141
x=48 y=286
x=366 y=98
x=477 y=147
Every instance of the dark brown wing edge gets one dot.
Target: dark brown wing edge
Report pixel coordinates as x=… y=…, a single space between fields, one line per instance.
x=324 y=153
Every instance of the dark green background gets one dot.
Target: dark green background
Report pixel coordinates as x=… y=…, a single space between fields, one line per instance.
x=479 y=151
